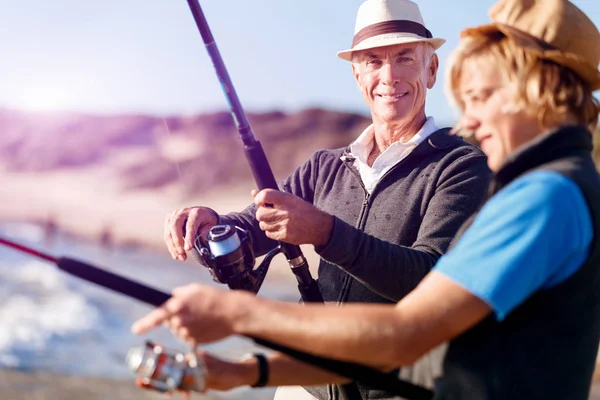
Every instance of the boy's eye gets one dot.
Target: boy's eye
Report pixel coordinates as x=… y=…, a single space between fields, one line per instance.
x=480 y=96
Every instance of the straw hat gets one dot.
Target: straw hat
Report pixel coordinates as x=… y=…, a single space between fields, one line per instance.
x=387 y=22
x=556 y=29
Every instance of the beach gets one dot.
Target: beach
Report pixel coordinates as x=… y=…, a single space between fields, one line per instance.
x=47 y=386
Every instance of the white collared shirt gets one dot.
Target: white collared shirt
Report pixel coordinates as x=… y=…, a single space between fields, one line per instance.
x=362 y=146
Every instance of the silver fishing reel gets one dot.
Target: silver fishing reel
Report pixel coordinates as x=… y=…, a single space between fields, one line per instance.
x=166 y=371
x=227 y=253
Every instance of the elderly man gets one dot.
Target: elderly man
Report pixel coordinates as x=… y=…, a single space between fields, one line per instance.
x=517 y=297
x=382 y=211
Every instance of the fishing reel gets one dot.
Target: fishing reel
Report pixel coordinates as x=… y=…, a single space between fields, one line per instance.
x=166 y=371
x=228 y=255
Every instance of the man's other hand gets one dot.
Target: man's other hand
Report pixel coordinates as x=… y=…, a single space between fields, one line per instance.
x=290 y=219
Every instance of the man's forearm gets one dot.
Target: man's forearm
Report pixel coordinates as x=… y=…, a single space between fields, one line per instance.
x=389 y=270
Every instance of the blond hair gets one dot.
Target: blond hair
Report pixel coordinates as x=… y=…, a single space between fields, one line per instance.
x=552 y=92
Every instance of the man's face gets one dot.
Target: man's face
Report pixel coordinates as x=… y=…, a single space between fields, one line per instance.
x=394 y=80
x=485 y=96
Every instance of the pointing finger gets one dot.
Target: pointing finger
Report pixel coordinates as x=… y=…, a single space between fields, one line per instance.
x=150 y=320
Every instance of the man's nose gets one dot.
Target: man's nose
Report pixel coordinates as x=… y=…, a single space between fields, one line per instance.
x=389 y=74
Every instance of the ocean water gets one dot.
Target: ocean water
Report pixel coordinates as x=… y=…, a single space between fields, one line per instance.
x=51 y=321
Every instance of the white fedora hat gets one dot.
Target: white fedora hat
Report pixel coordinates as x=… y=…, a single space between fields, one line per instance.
x=387 y=22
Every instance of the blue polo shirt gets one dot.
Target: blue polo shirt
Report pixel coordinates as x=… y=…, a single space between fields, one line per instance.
x=533 y=234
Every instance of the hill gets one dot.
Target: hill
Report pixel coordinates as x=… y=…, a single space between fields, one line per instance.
x=116 y=177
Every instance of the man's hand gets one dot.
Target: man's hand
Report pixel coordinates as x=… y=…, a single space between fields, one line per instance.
x=198 y=314
x=288 y=218
x=182 y=226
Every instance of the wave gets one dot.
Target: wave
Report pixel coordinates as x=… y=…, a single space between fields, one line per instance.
x=38 y=308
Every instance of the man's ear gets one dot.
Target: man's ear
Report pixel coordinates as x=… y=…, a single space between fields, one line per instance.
x=432 y=70
x=355 y=72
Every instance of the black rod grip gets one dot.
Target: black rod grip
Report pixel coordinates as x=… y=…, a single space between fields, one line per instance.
x=112 y=281
x=261 y=170
x=310 y=293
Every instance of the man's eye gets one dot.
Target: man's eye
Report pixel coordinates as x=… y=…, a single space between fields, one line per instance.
x=374 y=62
x=405 y=60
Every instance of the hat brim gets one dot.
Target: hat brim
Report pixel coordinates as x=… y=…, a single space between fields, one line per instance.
x=389 y=39
x=581 y=67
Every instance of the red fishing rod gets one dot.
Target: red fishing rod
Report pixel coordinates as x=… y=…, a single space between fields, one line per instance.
x=96 y=275
x=156 y=298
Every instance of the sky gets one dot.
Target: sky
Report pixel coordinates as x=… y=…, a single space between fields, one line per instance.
x=146 y=56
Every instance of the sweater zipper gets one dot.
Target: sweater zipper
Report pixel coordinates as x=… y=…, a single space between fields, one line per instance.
x=365 y=207
x=365 y=203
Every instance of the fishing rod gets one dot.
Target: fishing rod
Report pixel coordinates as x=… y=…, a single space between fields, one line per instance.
x=261 y=170
x=172 y=377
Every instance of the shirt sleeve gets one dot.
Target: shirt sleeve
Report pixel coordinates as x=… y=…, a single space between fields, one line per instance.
x=532 y=235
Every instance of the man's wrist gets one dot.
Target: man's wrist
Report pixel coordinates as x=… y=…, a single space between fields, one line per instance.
x=326 y=231
x=255 y=370
x=216 y=216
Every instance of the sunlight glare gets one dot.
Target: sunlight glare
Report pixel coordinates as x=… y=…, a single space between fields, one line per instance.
x=45 y=98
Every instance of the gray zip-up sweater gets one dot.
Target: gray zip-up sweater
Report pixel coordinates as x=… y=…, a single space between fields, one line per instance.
x=383 y=244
